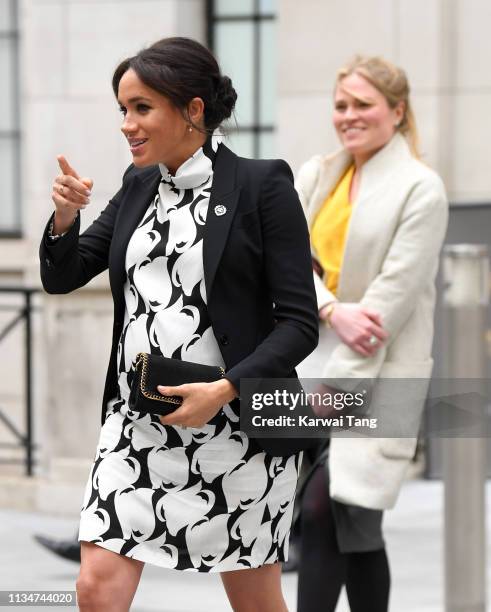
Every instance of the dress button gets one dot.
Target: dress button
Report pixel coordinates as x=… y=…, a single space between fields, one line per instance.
x=223 y=339
x=48 y=262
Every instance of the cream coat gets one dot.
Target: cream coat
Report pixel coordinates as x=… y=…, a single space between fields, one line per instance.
x=390 y=262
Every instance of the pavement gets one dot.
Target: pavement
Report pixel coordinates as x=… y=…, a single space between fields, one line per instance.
x=414 y=535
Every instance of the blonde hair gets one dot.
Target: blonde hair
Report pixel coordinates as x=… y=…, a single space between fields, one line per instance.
x=392 y=83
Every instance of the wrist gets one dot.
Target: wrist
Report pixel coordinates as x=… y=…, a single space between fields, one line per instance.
x=62 y=223
x=326 y=313
x=226 y=390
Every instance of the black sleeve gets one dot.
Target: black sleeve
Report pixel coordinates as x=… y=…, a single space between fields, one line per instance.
x=72 y=261
x=288 y=269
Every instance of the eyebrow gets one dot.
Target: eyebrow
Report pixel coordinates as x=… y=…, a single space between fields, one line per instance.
x=359 y=98
x=136 y=99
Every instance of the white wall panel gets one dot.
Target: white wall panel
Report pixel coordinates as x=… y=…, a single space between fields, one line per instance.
x=418 y=46
x=472 y=148
x=473 y=42
x=318 y=36
x=305 y=128
x=45 y=46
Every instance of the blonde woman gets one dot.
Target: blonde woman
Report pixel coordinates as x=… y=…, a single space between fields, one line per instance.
x=377 y=217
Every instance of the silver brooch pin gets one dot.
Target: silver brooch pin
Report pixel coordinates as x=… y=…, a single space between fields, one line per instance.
x=220 y=210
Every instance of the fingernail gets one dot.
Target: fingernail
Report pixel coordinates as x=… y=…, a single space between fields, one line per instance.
x=88 y=192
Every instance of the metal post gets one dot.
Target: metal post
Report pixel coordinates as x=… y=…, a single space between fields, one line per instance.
x=466 y=277
x=28 y=379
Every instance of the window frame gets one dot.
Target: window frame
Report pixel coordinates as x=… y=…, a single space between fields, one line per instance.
x=256 y=17
x=13 y=135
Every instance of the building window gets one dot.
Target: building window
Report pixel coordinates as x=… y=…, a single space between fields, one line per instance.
x=242 y=35
x=9 y=120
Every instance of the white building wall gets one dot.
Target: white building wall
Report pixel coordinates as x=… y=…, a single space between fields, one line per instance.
x=442 y=44
x=70 y=50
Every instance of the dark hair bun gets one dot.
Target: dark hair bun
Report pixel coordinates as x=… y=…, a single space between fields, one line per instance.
x=226 y=94
x=224 y=104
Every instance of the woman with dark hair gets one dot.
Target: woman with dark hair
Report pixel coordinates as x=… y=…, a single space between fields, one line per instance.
x=209 y=262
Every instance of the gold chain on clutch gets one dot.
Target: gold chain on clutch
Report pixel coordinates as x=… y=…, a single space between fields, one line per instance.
x=142 y=358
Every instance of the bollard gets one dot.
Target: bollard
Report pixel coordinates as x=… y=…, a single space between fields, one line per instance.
x=465 y=299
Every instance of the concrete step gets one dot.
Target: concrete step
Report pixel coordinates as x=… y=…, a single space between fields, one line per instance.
x=39 y=494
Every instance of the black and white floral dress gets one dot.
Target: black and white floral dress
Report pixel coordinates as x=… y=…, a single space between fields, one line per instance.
x=196 y=499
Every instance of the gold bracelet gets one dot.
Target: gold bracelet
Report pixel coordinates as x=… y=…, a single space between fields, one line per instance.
x=328 y=310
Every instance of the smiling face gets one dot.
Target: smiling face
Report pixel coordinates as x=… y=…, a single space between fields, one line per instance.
x=363 y=118
x=155 y=129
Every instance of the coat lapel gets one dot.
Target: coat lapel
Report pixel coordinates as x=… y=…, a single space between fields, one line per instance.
x=137 y=199
x=373 y=211
x=333 y=169
x=221 y=210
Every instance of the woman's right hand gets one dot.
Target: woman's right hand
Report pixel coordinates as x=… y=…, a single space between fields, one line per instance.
x=70 y=194
x=358 y=327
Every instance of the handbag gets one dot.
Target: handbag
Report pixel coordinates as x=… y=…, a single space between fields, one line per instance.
x=153 y=370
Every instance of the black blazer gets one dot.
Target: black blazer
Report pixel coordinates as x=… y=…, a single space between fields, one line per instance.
x=256 y=257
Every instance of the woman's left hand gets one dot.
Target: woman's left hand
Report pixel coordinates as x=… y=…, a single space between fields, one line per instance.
x=201 y=402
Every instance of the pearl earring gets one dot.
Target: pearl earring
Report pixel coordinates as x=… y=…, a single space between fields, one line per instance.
x=190 y=129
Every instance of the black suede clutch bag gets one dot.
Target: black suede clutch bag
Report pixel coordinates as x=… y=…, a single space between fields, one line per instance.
x=153 y=370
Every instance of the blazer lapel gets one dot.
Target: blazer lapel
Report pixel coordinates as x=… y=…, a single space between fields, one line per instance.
x=136 y=201
x=221 y=210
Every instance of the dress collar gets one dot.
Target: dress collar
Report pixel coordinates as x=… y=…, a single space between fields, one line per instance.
x=198 y=168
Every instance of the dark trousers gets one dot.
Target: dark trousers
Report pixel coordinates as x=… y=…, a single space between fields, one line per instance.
x=324 y=569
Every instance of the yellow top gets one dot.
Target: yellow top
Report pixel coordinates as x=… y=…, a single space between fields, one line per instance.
x=329 y=230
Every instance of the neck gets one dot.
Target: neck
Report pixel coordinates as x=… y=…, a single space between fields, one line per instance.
x=192 y=142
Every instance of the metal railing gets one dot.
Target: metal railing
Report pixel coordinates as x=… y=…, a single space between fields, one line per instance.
x=23 y=314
